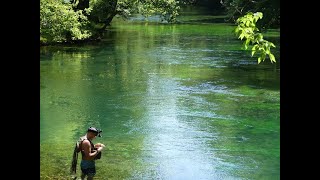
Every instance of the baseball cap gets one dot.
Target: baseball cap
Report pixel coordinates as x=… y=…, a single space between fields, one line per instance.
x=95 y=130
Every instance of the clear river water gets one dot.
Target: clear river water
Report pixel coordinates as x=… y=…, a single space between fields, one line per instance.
x=179 y=101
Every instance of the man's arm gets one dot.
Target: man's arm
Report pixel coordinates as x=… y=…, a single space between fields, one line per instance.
x=86 y=147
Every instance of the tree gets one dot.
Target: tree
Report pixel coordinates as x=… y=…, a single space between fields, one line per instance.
x=270 y=8
x=104 y=11
x=77 y=20
x=59 y=23
x=247 y=30
x=68 y=20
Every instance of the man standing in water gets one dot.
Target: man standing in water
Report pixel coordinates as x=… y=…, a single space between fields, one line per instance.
x=90 y=153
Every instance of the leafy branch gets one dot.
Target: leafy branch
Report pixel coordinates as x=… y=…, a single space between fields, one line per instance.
x=246 y=29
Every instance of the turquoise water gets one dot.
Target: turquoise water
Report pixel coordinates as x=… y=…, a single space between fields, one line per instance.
x=181 y=101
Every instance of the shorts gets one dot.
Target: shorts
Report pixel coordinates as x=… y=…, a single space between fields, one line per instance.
x=88 y=167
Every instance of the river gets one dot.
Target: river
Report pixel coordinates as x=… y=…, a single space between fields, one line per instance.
x=174 y=101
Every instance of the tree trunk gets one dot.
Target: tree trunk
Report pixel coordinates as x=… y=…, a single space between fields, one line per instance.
x=82 y=4
x=114 y=13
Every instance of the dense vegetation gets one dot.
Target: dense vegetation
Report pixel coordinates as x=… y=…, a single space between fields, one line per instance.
x=79 y=20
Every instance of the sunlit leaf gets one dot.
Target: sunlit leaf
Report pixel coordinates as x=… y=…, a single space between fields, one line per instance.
x=247 y=23
x=259 y=60
x=272 y=58
x=271 y=44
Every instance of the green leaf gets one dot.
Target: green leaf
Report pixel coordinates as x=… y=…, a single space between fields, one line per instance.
x=254 y=47
x=247 y=41
x=259 y=60
x=247 y=23
x=263 y=56
x=241 y=36
x=268 y=51
x=236 y=30
x=272 y=45
x=272 y=58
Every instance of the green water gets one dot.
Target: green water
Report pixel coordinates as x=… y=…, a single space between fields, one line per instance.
x=181 y=101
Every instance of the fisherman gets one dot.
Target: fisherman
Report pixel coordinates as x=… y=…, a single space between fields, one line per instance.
x=89 y=152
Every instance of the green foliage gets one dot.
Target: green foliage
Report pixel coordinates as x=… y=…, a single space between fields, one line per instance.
x=70 y=20
x=60 y=23
x=247 y=30
x=167 y=9
x=101 y=10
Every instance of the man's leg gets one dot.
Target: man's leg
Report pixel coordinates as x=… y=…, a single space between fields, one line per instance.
x=82 y=176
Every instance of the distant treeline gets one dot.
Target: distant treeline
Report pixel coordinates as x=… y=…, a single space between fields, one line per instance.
x=82 y=20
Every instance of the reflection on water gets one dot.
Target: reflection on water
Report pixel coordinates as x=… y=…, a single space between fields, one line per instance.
x=177 y=101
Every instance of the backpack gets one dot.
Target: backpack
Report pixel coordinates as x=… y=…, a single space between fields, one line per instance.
x=77 y=149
